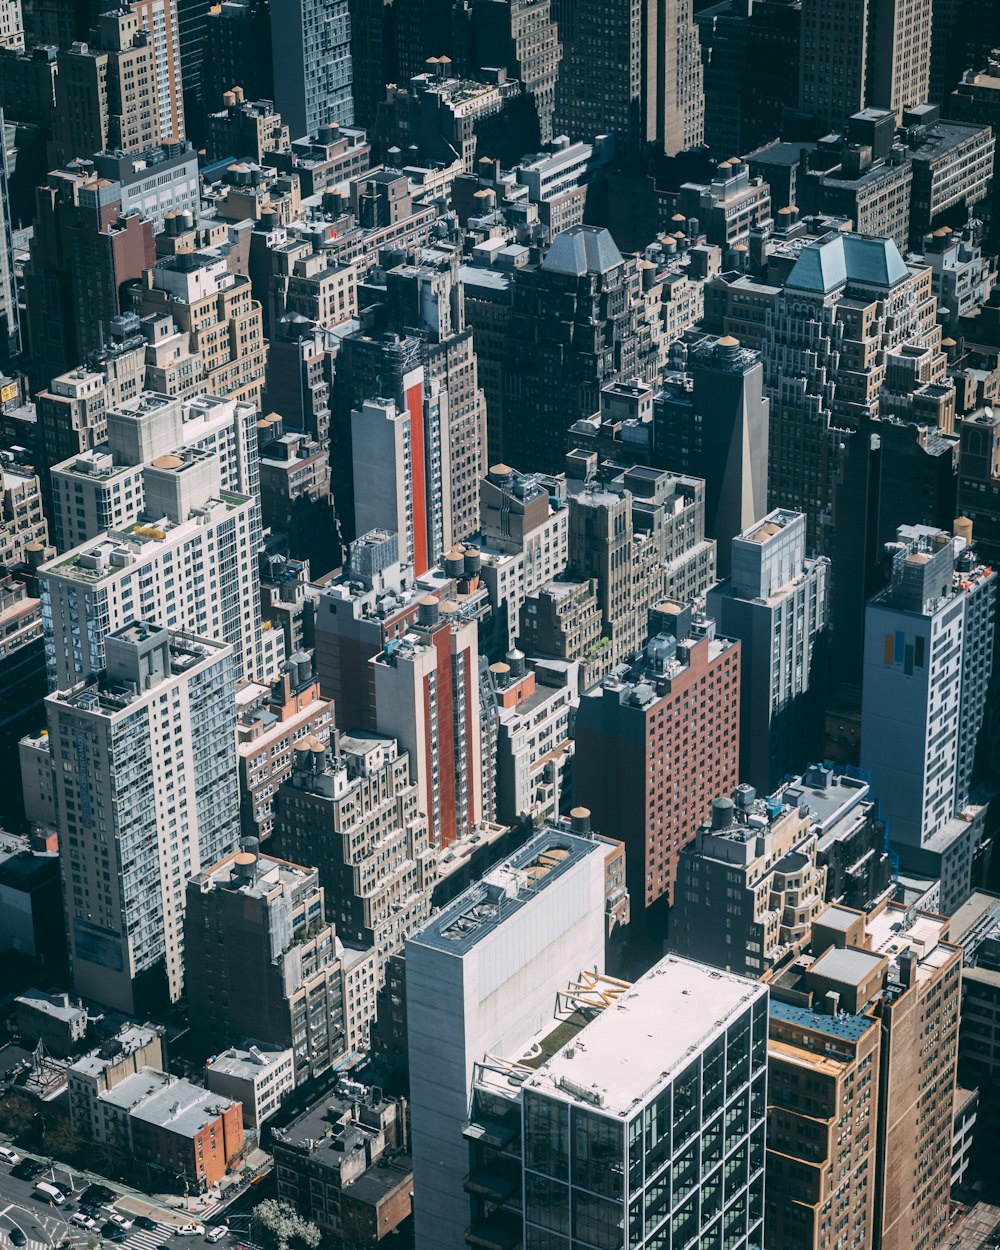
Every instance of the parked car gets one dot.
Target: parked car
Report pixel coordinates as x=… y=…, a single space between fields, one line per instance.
x=96 y=1196
x=9 y=1155
x=27 y=1169
x=83 y=1219
x=217 y=1233
x=190 y=1230
x=143 y=1221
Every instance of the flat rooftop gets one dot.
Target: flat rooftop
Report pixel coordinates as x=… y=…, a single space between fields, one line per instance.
x=647 y=1037
x=846 y=1027
x=506 y=888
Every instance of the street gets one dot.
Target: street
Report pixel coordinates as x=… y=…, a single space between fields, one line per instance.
x=47 y=1226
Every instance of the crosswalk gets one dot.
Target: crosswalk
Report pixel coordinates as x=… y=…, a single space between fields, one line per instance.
x=144 y=1239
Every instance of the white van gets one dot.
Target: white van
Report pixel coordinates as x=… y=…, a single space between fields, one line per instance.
x=50 y=1192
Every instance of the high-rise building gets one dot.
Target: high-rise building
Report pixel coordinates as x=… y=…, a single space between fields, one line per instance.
x=195 y=572
x=573 y=327
x=864 y=52
x=862 y=1057
x=847 y=302
x=632 y=67
x=666 y=1141
x=105 y=90
x=215 y=308
x=715 y=425
x=928 y=660
x=264 y=961
x=10 y=314
x=11 y=25
x=655 y=746
x=22 y=675
x=311 y=54
x=72 y=409
x=82 y=251
x=775 y=603
x=481 y=976
x=748 y=886
x=375 y=602
x=236 y=52
x=146 y=750
x=111 y=485
x=169 y=35
x=353 y=812
x=426 y=696
x=23 y=527
x=522 y=36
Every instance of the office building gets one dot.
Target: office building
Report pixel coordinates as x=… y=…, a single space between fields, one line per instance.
x=978 y=475
x=375 y=602
x=953 y=165
x=104 y=89
x=863 y=1039
x=713 y=422
x=12 y=26
x=481 y=976
x=83 y=249
x=352 y=810
x=748 y=88
x=155 y=182
x=927 y=669
x=271 y=722
x=426 y=696
x=23 y=527
x=748 y=886
x=236 y=51
x=573 y=327
x=31 y=902
x=730 y=206
x=111 y=485
x=264 y=960
x=881 y=303
x=522 y=36
x=195 y=572
x=868 y=52
x=960 y=273
x=656 y=745
x=612 y=1172
x=311 y=56
x=22 y=676
x=11 y=344
x=245 y=126
x=979 y=1038
x=634 y=69
x=775 y=603
x=160 y=716
x=522 y=541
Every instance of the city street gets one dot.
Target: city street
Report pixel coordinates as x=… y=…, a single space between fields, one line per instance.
x=46 y=1226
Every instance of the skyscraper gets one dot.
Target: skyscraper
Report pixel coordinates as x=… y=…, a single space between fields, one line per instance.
x=775 y=603
x=426 y=696
x=927 y=667
x=147 y=792
x=481 y=976
x=718 y=428
x=632 y=67
x=311 y=51
x=856 y=53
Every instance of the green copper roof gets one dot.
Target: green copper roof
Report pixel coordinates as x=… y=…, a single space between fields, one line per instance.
x=840 y=258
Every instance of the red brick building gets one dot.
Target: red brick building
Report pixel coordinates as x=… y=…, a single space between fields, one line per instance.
x=654 y=747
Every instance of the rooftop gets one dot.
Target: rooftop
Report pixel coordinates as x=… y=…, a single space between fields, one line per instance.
x=650 y=1033
x=844 y=1025
x=846 y=964
x=582 y=249
x=505 y=889
x=840 y=258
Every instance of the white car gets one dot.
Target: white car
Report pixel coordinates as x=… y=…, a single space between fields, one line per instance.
x=84 y=1220
x=121 y=1220
x=190 y=1230
x=217 y=1233
x=8 y=1155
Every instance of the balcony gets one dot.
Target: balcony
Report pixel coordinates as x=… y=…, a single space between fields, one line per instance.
x=496 y=1181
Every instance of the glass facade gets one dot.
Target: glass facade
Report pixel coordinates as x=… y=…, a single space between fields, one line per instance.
x=686 y=1170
